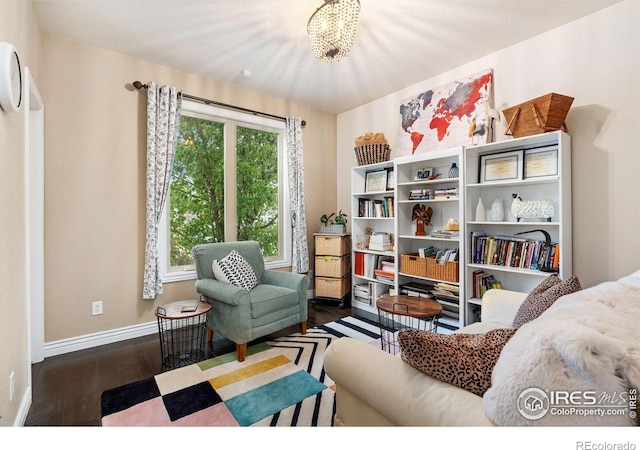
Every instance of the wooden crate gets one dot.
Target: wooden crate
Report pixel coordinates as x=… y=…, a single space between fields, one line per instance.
x=333 y=266
x=332 y=287
x=336 y=245
x=449 y=271
x=412 y=264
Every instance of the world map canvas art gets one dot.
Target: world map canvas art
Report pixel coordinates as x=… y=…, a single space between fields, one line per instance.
x=453 y=114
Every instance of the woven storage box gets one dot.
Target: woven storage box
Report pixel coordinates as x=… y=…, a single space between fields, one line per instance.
x=332 y=287
x=412 y=264
x=333 y=245
x=371 y=154
x=333 y=266
x=332 y=229
x=539 y=115
x=449 y=271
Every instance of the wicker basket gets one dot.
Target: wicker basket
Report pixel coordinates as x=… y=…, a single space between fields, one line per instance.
x=449 y=271
x=412 y=264
x=333 y=245
x=333 y=266
x=372 y=154
x=332 y=229
x=332 y=287
x=542 y=114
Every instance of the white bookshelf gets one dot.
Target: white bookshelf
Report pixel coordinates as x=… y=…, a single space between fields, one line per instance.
x=555 y=188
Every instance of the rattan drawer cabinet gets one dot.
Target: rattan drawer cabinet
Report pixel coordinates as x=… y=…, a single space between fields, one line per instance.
x=332 y=276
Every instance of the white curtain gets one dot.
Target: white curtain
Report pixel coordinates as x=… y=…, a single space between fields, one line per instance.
x=300 y=257
x=163 y=120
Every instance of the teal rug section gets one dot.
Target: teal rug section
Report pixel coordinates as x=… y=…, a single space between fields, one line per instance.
x=267 y=400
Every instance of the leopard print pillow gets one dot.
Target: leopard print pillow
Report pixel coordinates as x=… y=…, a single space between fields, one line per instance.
x=463 y=360
x=543 y=296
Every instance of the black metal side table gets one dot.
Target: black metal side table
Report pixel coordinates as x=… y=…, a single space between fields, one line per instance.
x=402 y=311
x=182 y=327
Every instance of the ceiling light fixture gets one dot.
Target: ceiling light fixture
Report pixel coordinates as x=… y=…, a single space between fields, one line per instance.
x=332 y=29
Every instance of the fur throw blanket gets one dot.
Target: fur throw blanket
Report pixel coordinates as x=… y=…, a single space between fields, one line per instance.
x=587 y=344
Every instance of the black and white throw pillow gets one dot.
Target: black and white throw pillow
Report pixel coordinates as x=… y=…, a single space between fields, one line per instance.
x=236 y=270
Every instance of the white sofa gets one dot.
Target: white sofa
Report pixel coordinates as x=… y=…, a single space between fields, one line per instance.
x=375 y=388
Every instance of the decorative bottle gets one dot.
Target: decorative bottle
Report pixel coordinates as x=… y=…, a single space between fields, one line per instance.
x=480 y=212
x=454 y=171
x=497 y=210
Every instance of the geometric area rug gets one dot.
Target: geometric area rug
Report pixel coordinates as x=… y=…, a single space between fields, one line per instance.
x=280 y=383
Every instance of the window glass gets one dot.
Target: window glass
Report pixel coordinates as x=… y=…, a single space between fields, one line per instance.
x=227 y=185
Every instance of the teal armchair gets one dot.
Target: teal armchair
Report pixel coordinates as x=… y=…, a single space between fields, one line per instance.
x=279 y=300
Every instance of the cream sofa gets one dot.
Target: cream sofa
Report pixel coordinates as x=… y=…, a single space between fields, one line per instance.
x=374 y=388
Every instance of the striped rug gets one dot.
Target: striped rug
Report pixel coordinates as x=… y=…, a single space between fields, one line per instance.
x=280 y=383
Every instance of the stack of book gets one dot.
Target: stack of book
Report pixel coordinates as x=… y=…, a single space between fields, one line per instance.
x=420 y=194
x=444 y=234
x=386 y=271
x=362 y=293
x=380 y=241
x=414 y=289
x=446 y=193
x=448 y=295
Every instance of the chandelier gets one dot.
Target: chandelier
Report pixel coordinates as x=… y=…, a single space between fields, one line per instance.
x=332 y=29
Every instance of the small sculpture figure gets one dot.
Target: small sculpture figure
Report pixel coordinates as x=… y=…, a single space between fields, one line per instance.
x=422 y=216
x=531 y=209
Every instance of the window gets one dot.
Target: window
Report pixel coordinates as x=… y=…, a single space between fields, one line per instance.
x=228 y=184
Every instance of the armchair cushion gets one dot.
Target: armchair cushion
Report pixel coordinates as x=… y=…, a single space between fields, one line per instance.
x=236 y=270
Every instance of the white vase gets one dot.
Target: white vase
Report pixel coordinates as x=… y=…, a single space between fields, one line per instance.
x=480 y=213
x=497 y=210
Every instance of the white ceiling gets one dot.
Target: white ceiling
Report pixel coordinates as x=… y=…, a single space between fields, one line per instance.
x=398 y=42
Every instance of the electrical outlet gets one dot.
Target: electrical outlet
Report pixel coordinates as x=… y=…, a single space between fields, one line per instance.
x=96 y=308
x=12 y=385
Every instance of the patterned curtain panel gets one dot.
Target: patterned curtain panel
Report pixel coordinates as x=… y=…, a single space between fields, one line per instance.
x=300 y=257
x=163 y=119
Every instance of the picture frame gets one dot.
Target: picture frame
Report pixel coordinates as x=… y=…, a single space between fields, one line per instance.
x=540 y=162
x=391 y=179
x=423 y=174
x=376 y=181
x=504 y=166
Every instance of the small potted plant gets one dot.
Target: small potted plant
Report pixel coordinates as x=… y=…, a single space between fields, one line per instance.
x=337 y=225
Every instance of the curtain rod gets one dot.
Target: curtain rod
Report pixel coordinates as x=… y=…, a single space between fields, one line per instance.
x=139 y=85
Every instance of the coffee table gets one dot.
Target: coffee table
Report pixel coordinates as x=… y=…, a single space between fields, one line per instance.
x=397 y=312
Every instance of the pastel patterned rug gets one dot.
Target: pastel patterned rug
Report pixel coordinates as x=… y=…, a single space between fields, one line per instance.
x=280 y=383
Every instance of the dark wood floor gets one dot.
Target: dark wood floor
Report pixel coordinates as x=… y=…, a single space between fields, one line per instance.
x=67 y=388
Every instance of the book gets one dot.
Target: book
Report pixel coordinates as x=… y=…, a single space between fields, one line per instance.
x=358 y=266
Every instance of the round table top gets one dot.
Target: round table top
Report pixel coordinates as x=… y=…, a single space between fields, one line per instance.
x=405 y=305
x=182 y=309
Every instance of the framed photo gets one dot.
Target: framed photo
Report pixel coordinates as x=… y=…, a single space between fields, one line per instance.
x=423 y=174
x=376 y=181
x=541 y=162
x=391 y=179
x=506 y=166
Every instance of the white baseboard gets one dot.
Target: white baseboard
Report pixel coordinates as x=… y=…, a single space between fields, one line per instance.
x=97 y=339
x=23 y=411
x=107 y=337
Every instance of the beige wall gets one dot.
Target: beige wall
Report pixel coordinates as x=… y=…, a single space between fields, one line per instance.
x=595 y=60
x=95 y=181
x=18 y=26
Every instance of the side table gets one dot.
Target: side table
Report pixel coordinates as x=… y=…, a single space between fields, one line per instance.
x=182 y=327
x=396 y=312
